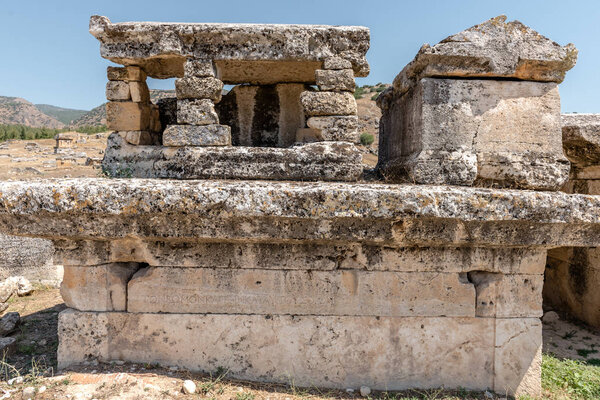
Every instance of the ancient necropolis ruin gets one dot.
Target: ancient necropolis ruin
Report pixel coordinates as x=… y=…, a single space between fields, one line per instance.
x=430 y=275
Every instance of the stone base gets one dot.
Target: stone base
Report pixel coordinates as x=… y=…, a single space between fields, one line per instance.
x=327 y=161
x=383 y=353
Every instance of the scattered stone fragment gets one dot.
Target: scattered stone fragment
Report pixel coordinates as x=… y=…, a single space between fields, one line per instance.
x=550 y=317
x=7 y=346
x=189 y=387
x=8 y=323
x=15 y=381
x=365 y=391
x=28 y=393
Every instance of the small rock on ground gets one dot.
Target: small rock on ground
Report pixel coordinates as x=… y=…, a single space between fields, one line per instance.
x=189 y=387
x=28 y=393
x=550 y=317
x=365 y=391
x=7 y=346
x=8 y=323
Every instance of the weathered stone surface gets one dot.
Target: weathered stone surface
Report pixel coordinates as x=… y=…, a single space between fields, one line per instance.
x=336 y=128
x=9 y=322
x=139 y=138
x=346 y=292
x=507 y=296
x=139 y=92
x=128 y=74
x=199 y=88
x=8 y=345
x=495 y=48
x=264 y=116
x=197 y=135
x=437 y=351
x=336 y=80
x=196 y=112
x=518 y=357
x=297 y=212
x=581 y=139
x=468 y=131
x=199 y=68
x=28 y=257
x=316 y=257
x=336 y=63
x=252 y=53
x=127 y=116
x=328 y=103
x=117 y=90
x=329 y=161
x=97 y=288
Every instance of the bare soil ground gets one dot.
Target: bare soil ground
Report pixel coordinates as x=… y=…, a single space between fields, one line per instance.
x=35 y=360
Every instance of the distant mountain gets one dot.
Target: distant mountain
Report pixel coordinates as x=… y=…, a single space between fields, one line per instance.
x=64 y=115
x=18 y=111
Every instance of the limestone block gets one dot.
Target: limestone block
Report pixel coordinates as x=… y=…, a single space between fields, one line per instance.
x=245 y=291
x=267 y=115
x=197 y=135
x=335 y=80
x=518 y=357
x=336 y=128
x=97 y=288
x=581 y=139
x=329 y=161
x=199 y=88
x=139 y=92
x=155 y=119
x=128 y=74
x=330 y=352
x=308 y=135
x=507 y=296
x=328 y=103
x=139 y=138
x=127 y=116
x=495 y=48
x=196 y=112
x=199 y=68
x=117 y=91
x=251 y=53
x=474 y=131
x=336 y=63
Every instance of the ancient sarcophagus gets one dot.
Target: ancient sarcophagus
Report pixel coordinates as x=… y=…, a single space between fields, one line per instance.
x=273 y=124
x=329 y=284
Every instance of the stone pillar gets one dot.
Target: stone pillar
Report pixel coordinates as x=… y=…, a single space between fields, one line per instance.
x=129 y=111
x=331 y=111
x=479 y=108
x=198 y=123
x=573 y=274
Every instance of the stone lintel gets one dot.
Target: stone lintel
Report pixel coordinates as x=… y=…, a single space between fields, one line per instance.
x=162 y=48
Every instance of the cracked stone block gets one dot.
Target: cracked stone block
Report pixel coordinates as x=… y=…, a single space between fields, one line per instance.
x=347 y=292
x=140 y=138
x=139 y=92
x=492 y=49
x=328 y=103
x=127 y=116
x=98 y=287
x=465 y=132
x=128 y=74
x=117 y=91
x=518 y=357
x=335 y=128
x=322 y=351
x=336 y=63
x=335 y=80
x=199 y=68
x=197 y=135
x=199 y=88
x=196 y=112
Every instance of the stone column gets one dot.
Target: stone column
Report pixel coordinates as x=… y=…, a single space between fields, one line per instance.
x=479 y=108
x=198 y=123
x=129 y=111
x=331 y=111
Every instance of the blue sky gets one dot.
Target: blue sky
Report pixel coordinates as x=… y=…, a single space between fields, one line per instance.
x=48 y=56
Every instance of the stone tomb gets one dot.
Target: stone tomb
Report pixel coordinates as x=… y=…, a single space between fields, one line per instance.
x=327 y=284
x=294 y=85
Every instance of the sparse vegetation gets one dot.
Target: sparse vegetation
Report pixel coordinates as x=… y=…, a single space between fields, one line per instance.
x=91 y=129
x=570 y=379
x=366 y=139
